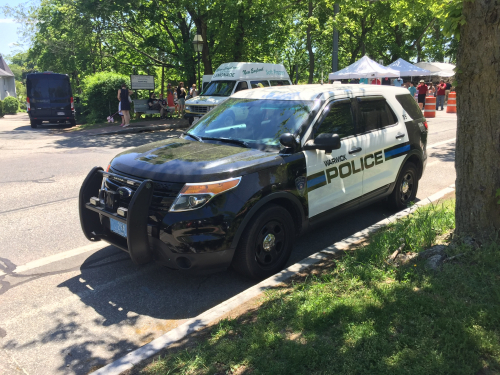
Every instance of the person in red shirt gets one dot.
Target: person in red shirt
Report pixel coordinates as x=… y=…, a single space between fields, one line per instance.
x=376 y=81
x=422 y=91
x=441 y=91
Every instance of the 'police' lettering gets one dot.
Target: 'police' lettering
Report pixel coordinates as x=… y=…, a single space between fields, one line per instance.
x=378 y=158
x=331 y=173
x=369 y=165
x=348 y=173
x=354 y=170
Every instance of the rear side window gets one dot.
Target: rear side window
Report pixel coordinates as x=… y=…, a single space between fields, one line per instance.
x=259 y=84
x=279 y=83
x=374 y=113
x=337 y=121
x=410 y=106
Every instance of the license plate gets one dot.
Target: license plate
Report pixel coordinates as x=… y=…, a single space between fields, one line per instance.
x=118 y=227
x=195 y=120
x=60 y=113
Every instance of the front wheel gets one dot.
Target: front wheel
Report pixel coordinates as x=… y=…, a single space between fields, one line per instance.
x=406 y=188
x=266 y=244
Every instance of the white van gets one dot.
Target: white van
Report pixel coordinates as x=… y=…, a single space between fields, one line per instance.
x=230 y=78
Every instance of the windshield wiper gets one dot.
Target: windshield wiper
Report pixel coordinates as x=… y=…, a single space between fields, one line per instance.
x=193 y=136
x=228 y=140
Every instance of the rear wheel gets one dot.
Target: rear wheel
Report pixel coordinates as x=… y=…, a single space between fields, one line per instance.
x=34 y=124
x=406 y=187
x=72 y=122
x=266 y=244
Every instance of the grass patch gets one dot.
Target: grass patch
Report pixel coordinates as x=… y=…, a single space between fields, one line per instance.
x=360 y=315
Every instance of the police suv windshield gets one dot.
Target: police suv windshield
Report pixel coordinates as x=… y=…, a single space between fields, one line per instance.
x=254 y=122
x=219 y=88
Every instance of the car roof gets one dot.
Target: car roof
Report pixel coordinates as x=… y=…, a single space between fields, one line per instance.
x=312 y=92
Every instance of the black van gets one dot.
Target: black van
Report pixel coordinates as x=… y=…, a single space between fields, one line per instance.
x=49 y=98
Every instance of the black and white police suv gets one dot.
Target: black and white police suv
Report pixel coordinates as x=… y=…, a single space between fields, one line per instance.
x=260 y=168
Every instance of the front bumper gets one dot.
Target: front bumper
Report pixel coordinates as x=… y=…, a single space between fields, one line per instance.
x=144 y=241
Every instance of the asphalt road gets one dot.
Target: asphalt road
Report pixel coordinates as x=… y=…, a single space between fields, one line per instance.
x=67 y=307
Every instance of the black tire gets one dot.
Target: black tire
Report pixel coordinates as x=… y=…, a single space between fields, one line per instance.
x=34 y=124
x=190 y=120
x=72 y=122
x=406 y=187
x=266 y=243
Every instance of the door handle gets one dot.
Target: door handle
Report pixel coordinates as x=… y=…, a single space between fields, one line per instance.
x=400 y=135
x=355 y=150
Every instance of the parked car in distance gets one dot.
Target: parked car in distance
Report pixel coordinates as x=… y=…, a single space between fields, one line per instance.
x=49 y=98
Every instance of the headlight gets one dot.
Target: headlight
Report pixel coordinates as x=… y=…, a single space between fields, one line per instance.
x=188 y=108
x=194 y=196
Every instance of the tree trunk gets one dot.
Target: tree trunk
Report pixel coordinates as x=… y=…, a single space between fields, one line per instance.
x=309 y=45
x=478 y=129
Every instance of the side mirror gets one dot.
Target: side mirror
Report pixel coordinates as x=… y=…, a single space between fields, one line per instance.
x=288 y=140
x=326 y=141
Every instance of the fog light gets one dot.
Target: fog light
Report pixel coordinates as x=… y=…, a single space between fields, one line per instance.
x=122 y=211
x=94 y=201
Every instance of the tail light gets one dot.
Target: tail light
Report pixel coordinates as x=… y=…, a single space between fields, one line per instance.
x=426 y=126
x=72 y=104
x=28 y=106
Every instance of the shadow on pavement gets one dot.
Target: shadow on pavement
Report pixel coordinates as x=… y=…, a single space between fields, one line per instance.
x=121 y=292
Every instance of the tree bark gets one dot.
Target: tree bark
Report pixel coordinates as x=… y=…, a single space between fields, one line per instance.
x=478 y=130
x=309 y=44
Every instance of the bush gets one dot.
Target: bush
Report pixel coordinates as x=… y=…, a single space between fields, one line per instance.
x=10 y=105
x=1 y=109
x=99 y=95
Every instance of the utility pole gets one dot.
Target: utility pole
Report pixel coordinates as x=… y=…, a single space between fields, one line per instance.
x=335 y=50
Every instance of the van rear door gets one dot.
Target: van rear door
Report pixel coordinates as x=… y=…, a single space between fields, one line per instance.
x=50 y=95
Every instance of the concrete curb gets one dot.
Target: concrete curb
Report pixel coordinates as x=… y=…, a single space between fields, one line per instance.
x=204 y=319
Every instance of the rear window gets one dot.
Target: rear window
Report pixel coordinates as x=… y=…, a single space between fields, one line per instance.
x=410 y=106
x=48 y=86
x=374 y=113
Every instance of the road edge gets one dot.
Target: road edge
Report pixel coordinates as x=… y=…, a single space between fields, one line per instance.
x=203 y=320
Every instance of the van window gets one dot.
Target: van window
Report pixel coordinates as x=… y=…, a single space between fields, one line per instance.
x=219 y=88
x=48 y=86
x=410 y=105
x=241 y=86
x=282 y=82
x=337 y=121
x=374 y=113
x=259 y=84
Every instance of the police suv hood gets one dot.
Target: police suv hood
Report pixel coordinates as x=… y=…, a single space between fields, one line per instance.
x=206 y=100
x=182 y=160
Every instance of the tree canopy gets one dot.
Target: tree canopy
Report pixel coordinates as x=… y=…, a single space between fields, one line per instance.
x=83 y=37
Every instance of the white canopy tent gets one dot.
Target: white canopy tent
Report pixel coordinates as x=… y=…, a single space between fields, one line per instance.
x=407 y=69
x=363 y=68
x=438 y=69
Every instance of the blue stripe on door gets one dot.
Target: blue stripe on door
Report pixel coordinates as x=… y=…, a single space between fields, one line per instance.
x=316 y=181
x=396 y=151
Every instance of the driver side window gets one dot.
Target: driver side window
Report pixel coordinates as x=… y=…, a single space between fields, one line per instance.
x=241 y=86
x=338 y=120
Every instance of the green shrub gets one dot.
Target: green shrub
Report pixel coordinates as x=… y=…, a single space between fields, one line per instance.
x=1 y=109
x=99 y=95
x=10 y=105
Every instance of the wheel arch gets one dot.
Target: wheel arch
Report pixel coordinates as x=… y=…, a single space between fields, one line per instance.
x=284 y=199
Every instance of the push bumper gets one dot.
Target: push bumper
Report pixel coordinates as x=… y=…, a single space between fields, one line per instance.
x=97 y=207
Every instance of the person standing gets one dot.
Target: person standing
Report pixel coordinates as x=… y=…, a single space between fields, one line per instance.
x=412 y=89
x=123 y=97
x=181 y=97
x=441 y=91
x=447 y=91
x=431 y=90
x=176 y=101
x=375 y=81
x=422 y=92
x=398 y=82
x=193 y=92
x=386 y=81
